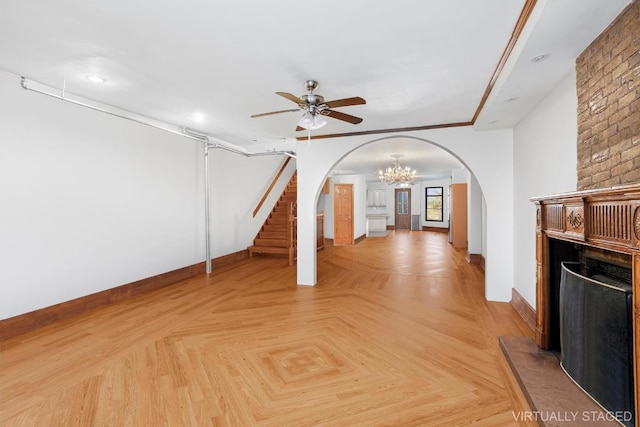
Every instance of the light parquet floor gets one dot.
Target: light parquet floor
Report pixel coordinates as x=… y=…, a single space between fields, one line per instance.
x=395 y=333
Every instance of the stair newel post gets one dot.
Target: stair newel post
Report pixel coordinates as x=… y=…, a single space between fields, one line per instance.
x=291 y=235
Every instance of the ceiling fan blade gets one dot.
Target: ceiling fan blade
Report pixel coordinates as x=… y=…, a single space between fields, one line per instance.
x=290 y=97
x=345 y=102
x=342 y=116
x=274 y=112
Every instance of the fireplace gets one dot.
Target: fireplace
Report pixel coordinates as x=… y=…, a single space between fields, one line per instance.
x=597 y=234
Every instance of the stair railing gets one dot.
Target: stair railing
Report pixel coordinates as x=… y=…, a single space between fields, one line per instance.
x=292 y=234
x=273 y=183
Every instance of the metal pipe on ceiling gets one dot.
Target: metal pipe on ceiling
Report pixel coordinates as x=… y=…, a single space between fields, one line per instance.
x=62 y=97
x=185 y=132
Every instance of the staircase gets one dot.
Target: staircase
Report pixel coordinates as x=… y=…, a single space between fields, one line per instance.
x=277 y=235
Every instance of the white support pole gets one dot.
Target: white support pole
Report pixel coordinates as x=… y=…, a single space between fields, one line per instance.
x=207 y=238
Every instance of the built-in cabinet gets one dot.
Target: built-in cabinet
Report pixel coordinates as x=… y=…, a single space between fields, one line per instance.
x=376 y=198
x=376 y=210
x=458 y=215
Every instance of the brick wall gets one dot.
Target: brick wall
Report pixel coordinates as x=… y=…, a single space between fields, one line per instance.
x=608 y=88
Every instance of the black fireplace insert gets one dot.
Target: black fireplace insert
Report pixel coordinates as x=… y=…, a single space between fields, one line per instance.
x=596 y=337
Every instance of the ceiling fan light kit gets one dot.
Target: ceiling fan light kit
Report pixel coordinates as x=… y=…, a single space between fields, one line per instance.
x=311 y=121
x=315 y=108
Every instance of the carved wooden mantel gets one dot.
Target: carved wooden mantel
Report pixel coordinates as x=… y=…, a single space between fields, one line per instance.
x=607 y=219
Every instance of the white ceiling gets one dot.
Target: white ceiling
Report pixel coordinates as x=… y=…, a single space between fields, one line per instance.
x=417 y=63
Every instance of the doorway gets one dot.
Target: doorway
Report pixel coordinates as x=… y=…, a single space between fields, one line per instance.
x=403 y=208
x=343 y=214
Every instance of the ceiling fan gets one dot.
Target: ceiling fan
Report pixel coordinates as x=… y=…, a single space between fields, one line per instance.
x=315 y=107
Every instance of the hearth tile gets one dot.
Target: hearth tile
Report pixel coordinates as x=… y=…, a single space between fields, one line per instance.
x=555 y=400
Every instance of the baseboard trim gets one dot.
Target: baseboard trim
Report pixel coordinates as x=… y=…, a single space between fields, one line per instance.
x=477 y=259
x=435 y=229
x=229 y=259
x=391 y=227
x=26 y=322
x=329 y=242
x=524 y=309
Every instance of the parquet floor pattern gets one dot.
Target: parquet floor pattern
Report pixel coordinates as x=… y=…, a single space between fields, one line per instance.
x=395 y=333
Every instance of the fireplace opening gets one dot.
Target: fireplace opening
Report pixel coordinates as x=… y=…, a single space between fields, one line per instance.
x=559 y=251
x=591 y=324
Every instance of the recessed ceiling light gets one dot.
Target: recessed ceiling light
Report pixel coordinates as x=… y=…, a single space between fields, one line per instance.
x=198 y=117
x=511 y=99
x=540 y=58
x=96 y=79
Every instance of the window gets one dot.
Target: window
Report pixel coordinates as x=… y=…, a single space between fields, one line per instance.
x=434 y=204
x=403 y=202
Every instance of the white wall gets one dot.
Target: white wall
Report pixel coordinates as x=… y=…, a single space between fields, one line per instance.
x=484 y=227
x=459 y=176
x=488 y=154
x=325 y=203
x=90 y=201
x=544 y=163
x=474 y=215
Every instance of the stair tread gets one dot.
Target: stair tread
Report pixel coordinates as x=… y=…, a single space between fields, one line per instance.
x=274 y=221
x=280 y=234
x=268 y=250
x=281 y=243
x=277 y=240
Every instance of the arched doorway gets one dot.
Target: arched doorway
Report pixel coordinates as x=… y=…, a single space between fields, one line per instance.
x=437 y=172
x=488 y=154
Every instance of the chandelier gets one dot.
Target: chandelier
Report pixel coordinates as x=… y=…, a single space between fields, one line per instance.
x=397 y=174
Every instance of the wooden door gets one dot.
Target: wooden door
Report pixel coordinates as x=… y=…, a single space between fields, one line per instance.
x=343 y=214
x=403 y=208
x=458 y=214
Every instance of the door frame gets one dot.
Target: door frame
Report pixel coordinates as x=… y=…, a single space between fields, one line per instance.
x=395 y=206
